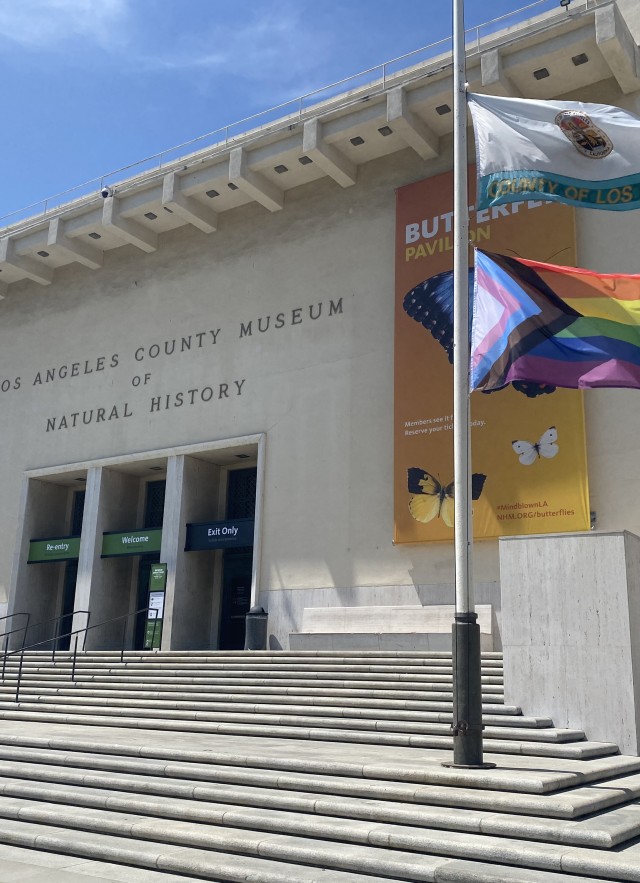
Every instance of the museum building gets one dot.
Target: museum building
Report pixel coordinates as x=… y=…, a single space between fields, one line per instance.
x=197 y=368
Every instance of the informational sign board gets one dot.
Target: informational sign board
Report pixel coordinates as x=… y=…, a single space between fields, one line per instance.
x=155 y=614
x=53 y=549
x=132 y=542
x=219 y=534
x=528 y=445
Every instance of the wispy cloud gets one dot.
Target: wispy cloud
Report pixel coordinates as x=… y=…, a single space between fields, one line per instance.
x=53 y=24
x=273 y=43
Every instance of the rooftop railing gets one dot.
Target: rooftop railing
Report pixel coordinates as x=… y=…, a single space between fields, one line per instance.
x=282 y=115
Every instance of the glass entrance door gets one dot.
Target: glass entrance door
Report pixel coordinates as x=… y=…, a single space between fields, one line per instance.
x=142 y=600
x=68 y=599
x=236 y=579
x=236 y=599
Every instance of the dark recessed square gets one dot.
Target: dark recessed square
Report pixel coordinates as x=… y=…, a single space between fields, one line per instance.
x=583 y=58
x=212 y=193
x=304 y=160
x=150 y=215
x=232 y=186
x=167 y=209
x=242 y=456
x=357 y=141
x=441 y=109
x=541 y=74
x=385 y=130
x=95 y=235
x=280 y=169
x=80 y=479
x=43 y=254
x=156 y=469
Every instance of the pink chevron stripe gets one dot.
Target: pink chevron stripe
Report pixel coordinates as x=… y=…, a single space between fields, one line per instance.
x=509 y=303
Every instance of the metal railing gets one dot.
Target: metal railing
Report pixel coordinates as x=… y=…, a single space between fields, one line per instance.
x=77 y=632
x=54 y=640
x=286 y=113
x=23 y=629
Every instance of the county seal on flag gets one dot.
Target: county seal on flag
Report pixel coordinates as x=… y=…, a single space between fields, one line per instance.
x=586 y=155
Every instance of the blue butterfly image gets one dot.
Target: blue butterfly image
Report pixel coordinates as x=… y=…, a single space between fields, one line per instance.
x=431 y=304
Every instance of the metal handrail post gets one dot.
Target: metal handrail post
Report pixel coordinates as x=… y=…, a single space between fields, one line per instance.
x=6 y=637
x=86 y=629
x=124 y=634
x=56 y=637
x=19 y=675
x=73 y=664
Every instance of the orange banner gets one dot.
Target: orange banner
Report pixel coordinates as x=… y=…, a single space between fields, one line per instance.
x=528 y=446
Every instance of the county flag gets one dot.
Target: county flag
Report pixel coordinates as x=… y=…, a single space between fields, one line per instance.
x=582 y=154
x=561 y=326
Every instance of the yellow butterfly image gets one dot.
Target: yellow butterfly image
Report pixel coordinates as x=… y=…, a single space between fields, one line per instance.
x=429 y=499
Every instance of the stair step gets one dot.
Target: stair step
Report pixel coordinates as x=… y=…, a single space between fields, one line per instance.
x=138 y=859
x=24 y=862
x=192 y=779
x=202 y=701
x=302 y=766
x=581 y=749
x=526 y=775
x=205 y=680
x=264 y=808
x=237 y=669
x=406 y=656
x=298 y=716
x=324 y=794
x=492 y=695
x=403 y=852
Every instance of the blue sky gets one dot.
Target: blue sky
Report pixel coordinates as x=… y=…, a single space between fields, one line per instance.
x=93 y=85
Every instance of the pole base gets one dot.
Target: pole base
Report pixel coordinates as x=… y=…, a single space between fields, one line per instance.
x=468 y=766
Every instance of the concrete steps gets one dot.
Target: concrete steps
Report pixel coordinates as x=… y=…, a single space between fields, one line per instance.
x=175 y=777
x=201 y=693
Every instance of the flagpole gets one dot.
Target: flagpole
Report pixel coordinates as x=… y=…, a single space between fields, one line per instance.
x=467 y=689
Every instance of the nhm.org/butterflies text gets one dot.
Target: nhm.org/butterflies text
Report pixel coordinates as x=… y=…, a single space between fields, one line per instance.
x=537 y=509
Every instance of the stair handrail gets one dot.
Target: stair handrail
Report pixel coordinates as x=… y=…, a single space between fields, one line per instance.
x=23 y=628
x=77 y=632
x=56 y=637
x=11 y=615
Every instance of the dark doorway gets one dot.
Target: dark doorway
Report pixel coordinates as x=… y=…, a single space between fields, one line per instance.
x=142 y=597
x=153 y=517
x=237 y=567
x=70 y=577
x=68 y=600
x=236 y=599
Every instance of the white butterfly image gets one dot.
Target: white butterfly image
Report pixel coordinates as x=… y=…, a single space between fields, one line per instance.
x=546 y=447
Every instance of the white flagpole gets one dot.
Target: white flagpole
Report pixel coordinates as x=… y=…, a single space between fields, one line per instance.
x=467 y=695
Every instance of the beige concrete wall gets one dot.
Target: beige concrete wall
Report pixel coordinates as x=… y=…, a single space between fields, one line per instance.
x=571 y=614
x=320 y=389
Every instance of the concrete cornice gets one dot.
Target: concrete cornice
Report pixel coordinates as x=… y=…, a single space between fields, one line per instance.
x=411 y=108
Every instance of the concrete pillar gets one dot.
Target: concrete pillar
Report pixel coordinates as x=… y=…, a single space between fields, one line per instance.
x=89 y=542
x=35 y=587
x=111 y=504
x=191 y=600
x=571 y=631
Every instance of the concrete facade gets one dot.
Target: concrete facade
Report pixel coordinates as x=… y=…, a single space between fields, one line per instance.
x=222 y=309
x=571 y=631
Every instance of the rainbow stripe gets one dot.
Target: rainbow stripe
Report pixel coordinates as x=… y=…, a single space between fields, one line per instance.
x=560 y=326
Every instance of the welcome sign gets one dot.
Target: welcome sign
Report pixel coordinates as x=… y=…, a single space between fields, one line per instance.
x=132 y=542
